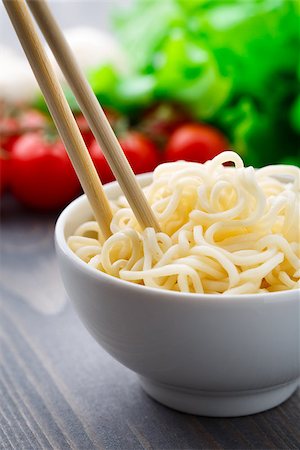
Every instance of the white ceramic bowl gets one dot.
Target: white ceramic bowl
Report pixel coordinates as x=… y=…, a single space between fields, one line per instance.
x=202 y=354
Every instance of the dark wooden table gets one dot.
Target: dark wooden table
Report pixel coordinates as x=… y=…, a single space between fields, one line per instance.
x=59 y=389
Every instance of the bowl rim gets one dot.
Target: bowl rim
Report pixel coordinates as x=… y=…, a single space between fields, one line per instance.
x=61 y=243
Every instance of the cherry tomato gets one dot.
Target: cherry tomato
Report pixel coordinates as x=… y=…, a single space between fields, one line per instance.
x=4 y=170
x=195 y=142
x=32 y=119
x=100 y=163
x=9 y=132
x=12 y=127
x=84 y=128
x=162 y=119
x=43 y=176
x=140 y=152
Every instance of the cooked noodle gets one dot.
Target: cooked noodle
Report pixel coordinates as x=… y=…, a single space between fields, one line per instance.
x=232 y=230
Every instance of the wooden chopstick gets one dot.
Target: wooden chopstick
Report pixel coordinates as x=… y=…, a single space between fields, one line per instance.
x=60 y=112
x=94 y=114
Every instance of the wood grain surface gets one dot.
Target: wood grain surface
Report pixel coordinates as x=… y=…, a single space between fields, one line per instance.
x=60 y=390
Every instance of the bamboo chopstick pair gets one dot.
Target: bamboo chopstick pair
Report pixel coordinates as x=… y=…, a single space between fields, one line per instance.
x=64 y=119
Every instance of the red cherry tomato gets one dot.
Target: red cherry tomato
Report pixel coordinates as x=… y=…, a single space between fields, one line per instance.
x=195 y=142
x=84 y=129
x=12 y=127
x=100 y=163
x=32 y=119
x=4 y=170
x=43 y=176
x=9 y=132
x=140 y=152
x=160 y=120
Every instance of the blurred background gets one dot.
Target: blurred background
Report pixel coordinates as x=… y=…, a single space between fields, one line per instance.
x=177 y=80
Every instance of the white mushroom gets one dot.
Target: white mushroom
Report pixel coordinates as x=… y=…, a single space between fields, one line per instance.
x=17 y=82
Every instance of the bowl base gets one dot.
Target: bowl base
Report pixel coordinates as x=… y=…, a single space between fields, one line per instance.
x=218 y=404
